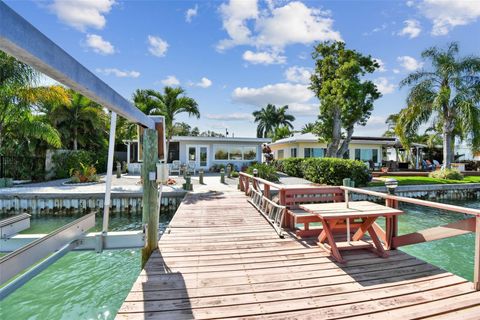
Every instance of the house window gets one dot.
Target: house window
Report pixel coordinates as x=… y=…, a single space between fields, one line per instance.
x=249 y=153
x=366 y=155
x=221 y=152
x=234 y=152
x=280 y=154
x=293 y=152
x=314 y=152
x=191 y=153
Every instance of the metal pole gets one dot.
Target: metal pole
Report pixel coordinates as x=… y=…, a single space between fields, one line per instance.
x=108 y=183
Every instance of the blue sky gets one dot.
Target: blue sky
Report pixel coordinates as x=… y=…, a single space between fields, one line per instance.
x=234 y=57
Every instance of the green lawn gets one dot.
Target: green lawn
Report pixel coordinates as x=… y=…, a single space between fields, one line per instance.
x=404 y=181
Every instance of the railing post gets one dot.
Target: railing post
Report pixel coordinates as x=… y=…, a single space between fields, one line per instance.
x=266 y=191
x=391 y=228
x=476 y=270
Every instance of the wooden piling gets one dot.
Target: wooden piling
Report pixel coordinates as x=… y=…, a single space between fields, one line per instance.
x=150 y=212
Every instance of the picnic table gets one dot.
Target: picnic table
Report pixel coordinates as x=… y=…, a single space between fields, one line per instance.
x=359 y=215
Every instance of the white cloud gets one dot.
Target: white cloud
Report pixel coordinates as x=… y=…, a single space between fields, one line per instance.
x=170 y=81
x=410 y=3
x=278 y=94
x=384 y=86
x=447 y=14
x=99 y=45
x=298 y=74
x=410 y=63
x=236 y=116
x=118 y=73
x=157 y=46
x=203 y=83
x=381 y=64
x=274 y=28
x=304 y=109
x=82 y=14
x=192 y=12
x=412 y=29
x=263 y=57
x=396 y=71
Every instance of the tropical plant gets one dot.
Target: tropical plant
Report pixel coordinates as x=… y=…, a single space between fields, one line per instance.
x=449 y=93
x=332 y=171
x=22 y=130
x=264 y=171
x=281 y=133
x=269 y=118
x=448 y=174
x=169 y=104
x=85 y=173
x=308 y=127
x=81 y=122
x=346 y=99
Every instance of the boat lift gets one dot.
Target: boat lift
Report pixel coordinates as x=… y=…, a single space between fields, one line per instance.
x=33 y=253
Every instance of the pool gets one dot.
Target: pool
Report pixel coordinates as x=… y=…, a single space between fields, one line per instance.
x=87 y=285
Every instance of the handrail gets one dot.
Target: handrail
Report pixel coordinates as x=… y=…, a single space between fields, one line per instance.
x=436 y=205
x=272 y=184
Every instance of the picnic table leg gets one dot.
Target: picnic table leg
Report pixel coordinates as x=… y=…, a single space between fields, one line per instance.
x=380 y=251
x=367 y=223
x=327 y=227
x=323 y=235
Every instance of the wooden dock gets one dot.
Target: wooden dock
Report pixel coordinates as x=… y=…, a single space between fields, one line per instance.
x=221 y=259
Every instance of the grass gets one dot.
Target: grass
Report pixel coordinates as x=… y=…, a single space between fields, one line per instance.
x=405 y=181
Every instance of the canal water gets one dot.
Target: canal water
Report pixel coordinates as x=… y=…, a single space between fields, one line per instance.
x=87 y=285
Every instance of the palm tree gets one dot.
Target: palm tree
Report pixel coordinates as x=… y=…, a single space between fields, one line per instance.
x=308 y=127
x=19 y=96
x=169 y=104
x=81 y=122
x=450 y=92
x=270 y=118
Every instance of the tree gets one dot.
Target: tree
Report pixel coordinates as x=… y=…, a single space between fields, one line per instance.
x=449 y=93
x=269 y=118
x=345 y=99
x=21 y=130
x=281 y=133
x=181 y=129
x=391 y=123
x=308 y=127
x=169 y=104
x=82 y=123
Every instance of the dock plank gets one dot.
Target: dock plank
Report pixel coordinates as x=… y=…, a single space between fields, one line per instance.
x=220 y=259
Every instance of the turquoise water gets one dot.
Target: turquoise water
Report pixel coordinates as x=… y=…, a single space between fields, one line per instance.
x=87 y=285
x=81 y=285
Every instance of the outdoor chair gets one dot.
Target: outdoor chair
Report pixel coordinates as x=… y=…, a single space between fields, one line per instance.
x=191 y=167
x=175 y=167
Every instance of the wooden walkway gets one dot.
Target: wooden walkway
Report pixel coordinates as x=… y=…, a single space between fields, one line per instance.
x=221 y=260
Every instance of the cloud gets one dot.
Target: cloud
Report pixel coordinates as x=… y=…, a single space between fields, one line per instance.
x=273 y=28
x=384 y=86
x=375 y=30
x=447 y=14
x=82 y=14
x=157 y=46
x=192 y=12
x=203 y=83
x=278 y=94
x=304 y=109
x=298 y=74
x=236 y=116
x=118 y=73
x=412 y=29
x=409 y=63
x=170 y=81
x=263 y=57
x=381 y=64
x=396 y=71
x=410 y=3
x=99 y=45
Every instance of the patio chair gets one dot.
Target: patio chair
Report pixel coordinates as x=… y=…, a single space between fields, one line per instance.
x=175 y=167
x=191 y=167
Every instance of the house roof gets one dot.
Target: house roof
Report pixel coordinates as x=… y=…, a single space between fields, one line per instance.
x=310 y=137
x=220 y=139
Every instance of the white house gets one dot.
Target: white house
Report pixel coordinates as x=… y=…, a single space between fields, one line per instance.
x=307 y=145
x=208 y=151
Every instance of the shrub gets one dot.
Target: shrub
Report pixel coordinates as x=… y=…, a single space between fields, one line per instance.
x=278 y=164
x=449 y=174
x=85 y=173
x=235 y=174
x=293 y=167
x=332 y=171
x=66 y=161
x=265 y=171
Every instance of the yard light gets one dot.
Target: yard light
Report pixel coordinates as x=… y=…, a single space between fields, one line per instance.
x=255 y=172
x=391 y=185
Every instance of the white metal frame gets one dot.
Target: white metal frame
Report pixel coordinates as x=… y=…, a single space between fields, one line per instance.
x=197 y=155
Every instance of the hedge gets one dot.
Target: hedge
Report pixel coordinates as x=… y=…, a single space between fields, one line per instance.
x=330 y=171
x=265 y=171
x=65 y=161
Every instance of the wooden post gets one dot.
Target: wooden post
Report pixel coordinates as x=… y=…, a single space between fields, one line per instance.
x=266 y=191
x=150 y=213
x=476 y=270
